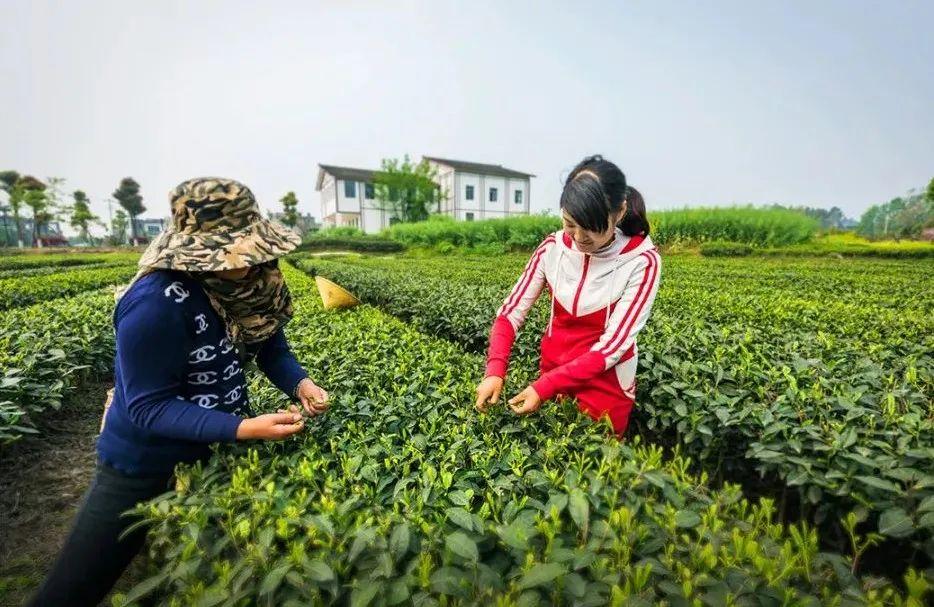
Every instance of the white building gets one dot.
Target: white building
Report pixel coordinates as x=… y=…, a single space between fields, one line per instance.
x=348 y=199
x=474 y=191
x=149 y=228
x=481 y=191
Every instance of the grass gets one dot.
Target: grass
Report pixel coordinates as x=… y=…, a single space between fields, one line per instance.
x=847 y=244
x=747 y=225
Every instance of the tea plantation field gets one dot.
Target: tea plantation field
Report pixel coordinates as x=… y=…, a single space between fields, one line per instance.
x=783 y=450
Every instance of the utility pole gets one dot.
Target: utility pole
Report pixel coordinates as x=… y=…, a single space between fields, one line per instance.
x=110 y=216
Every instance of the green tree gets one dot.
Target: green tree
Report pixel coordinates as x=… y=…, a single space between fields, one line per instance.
x=917 y=214
x=929 y=194
x=289 y=206
x=118 y=227
x=832 y=218
x=902 y=217
x=81 y=216
x=31 y=192
x=127 y=194
x=868 y=221
x=4 y=213
x=8 y=181
x=55 y=209
x=56 y=197
x=407 y=191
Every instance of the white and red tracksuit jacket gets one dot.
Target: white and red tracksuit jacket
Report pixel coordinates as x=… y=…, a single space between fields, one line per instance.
x=599 y=303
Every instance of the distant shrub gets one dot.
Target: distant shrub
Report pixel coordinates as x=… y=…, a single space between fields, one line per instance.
x=514 y=233
x=444 y=248
x=747 y=225
x=339 y=231
x=360 y=243
x=722 y=248
x=850 y=245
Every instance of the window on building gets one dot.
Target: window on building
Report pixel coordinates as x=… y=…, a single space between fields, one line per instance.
x=368 y=191
x=469 y=216
x=350 y=189
x=494 y=194
x=468 y=194
x=518 y=195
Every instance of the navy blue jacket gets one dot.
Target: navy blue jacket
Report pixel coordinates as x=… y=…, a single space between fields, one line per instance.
x=179 y=382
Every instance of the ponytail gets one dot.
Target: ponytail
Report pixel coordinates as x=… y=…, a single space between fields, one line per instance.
x=635 y=221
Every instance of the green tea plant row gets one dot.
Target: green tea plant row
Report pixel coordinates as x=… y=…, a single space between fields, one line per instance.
x=875 y=301
x=45 y=352
x=41 y=271
x=824 y=248
x=42 y=260
x=403 y=494
x=832 y=402
x=27 y=290
x=888 y=298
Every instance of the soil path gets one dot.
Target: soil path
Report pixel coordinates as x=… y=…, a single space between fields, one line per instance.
x=42 y=481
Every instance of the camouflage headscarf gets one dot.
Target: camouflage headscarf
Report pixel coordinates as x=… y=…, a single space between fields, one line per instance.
x=216 y=225
x=253 y=307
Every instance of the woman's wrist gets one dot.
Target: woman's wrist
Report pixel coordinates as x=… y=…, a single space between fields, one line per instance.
x=297 y=386
x=245 y=429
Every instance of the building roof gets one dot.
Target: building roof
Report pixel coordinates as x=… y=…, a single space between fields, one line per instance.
x=476 y=167
x=347 y=173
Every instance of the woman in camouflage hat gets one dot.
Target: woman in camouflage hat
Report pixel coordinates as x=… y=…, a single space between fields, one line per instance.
x=208 y=299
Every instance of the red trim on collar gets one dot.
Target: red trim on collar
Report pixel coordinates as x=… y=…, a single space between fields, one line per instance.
x=634 y=241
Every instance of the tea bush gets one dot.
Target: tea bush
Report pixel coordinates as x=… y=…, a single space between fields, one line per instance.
x=45 y=351
x=805 y=373
x=43 y=270
x=722 y=248
x=360 y=243
x=24 y=261
x=25 y=290
x=850 y=245
x=402 y=494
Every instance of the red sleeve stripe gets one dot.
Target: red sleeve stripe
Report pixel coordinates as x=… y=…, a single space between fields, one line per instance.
x=642 y=296
x=512 y=301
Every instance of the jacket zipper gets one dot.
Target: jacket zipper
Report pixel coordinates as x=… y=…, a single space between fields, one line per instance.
x=580 y=286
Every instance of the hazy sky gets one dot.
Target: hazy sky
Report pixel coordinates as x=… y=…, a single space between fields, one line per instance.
x=819 y=103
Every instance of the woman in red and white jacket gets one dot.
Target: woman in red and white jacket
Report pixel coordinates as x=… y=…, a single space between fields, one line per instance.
x=602 y=271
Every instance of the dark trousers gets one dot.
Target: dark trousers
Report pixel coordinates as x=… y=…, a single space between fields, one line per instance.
x=94 y=556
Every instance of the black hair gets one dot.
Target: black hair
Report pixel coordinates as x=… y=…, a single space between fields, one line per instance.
x=594 y=189
x=635 y=221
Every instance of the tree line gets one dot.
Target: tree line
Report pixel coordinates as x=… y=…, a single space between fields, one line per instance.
x=44 y=202
x=910 y=216
x=408 y=191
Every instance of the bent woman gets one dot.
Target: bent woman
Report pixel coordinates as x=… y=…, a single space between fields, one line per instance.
x=602 y=272
x=209 y=297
